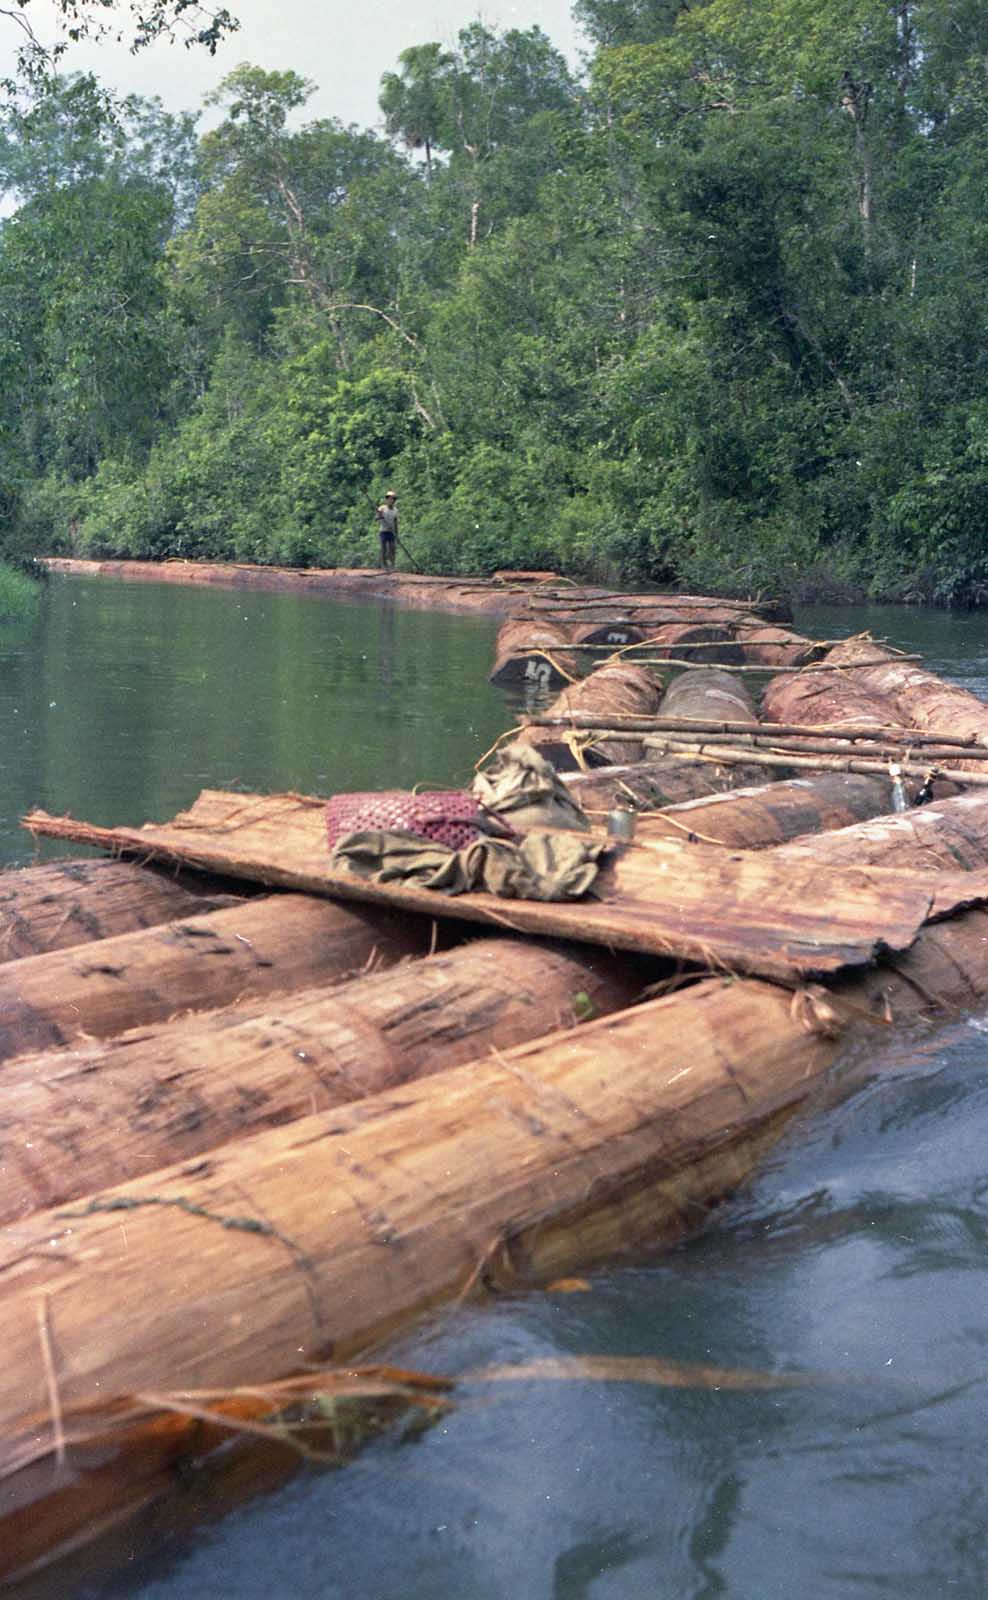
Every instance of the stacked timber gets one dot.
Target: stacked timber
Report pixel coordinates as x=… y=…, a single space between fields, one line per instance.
x=532 y=654
x=613 y=690
x=170 y=1093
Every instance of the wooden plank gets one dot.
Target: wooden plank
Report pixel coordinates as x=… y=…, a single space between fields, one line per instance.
x=735 y=911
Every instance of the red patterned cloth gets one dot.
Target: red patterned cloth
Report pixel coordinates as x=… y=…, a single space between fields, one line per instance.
x=453 y=820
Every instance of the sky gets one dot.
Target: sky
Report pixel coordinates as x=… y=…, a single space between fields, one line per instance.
x=344 y=46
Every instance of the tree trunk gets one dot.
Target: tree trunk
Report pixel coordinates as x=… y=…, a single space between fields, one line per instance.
x=532 y=653
x=68 y=903
x=707 y=694
x=831 y=698
x=76 y=1122
x=617 y=689
x=260 y=946
x=772 y=813
x=920 y=699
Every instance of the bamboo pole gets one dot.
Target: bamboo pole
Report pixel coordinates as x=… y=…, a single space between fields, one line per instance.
x=807 y=763
x=259 y=946
x=66 y=903
x=658 y=724
x=76 y=1121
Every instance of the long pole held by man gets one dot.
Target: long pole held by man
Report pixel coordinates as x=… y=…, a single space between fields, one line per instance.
x=387 y=527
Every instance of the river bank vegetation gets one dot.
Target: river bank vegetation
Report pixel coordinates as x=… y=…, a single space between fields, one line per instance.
x=712 y=312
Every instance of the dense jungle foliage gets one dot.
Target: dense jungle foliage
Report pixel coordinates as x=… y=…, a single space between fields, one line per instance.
x=712 y=313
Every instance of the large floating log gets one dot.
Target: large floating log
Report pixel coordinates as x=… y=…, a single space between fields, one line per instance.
x=921 y=699
x=532 y=653
x=653 y=784
x=949 y=835
x=776 y=647
x=316 y=1241
x=75 y=1121
x=759 y=818
x=708 y=693
x=67 y=903
x=260 y=946
x=617 y=688
x=831 y=697
x=735 y=910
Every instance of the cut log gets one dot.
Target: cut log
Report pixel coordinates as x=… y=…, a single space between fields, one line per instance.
x=705 y=641
x=776 y=647
x=317 y=1241
x=706 y=694
x=532 y=653
x=618 y=688
x=832 y=698
x=651 y=785
x=772 y=813
x=949 y=835
x=73 y=1122
x=921 y=699
x=260 y=946
x=68 y=903
x=614 y=633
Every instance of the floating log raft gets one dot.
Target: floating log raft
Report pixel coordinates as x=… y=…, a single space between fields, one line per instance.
x=615 y=689
x=67 y=903
x=715 y=907
x=76 y=1121
x=259 y=946
x=510 y=1169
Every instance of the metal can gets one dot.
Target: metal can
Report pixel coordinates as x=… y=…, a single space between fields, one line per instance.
x=621 y=825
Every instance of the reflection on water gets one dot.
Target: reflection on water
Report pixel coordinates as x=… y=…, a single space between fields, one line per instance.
x=859 y=1256
x=123 y=701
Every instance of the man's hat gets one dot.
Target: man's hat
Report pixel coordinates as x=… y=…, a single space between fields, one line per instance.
x=389 y=494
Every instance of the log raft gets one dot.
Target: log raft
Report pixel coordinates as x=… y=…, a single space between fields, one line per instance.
x=520 y=1155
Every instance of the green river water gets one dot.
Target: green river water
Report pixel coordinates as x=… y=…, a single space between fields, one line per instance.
x=858 y=1258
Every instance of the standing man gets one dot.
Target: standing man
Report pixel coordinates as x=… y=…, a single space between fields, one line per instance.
x=387 y=520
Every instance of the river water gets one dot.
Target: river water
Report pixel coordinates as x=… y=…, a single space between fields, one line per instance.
x=851 y=1277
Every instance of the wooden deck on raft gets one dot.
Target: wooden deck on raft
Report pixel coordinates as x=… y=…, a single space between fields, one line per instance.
x=726 y=910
